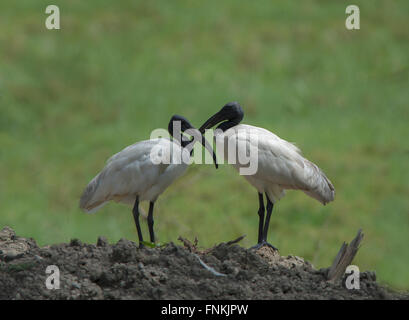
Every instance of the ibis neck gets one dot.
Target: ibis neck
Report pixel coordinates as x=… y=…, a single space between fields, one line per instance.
x=188 y=146
x=224 y=126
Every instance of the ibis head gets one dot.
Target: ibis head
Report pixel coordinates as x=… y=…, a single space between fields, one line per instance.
x=178 y=125
x=230 y=115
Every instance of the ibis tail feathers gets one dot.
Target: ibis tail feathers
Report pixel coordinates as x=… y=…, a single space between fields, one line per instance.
x=87 y=201
x=321 y=187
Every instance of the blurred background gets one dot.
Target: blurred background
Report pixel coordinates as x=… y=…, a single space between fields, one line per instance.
x=71 y=98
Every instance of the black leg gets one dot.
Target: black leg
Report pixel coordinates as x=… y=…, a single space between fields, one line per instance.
x=261 y=217
x=135 y=212
x=263 y=225
x=270 y=206
x=150 y=222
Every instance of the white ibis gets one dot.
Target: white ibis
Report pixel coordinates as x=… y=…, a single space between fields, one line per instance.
x=279 y=163
x=134 y=174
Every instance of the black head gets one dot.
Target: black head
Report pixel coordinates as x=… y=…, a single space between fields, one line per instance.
x=231 y=114
x=233 y=111
x=178 y=125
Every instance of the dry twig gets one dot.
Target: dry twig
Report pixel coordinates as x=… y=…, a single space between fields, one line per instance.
x=235 y=240
x=344 y=258
x=192 y=247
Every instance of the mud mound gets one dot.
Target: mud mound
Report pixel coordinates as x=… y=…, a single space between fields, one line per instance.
x=122 y=271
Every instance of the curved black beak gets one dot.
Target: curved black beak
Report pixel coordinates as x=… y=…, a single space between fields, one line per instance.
x=213 y=120
x=185 y=125
x=231 y=112
x=199 y=137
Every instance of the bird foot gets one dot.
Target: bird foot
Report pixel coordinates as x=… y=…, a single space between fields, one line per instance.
x=262 y=244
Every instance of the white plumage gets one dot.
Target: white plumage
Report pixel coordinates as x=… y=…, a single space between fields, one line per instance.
x=131 y=173
x=143 y=171
x=280 y=164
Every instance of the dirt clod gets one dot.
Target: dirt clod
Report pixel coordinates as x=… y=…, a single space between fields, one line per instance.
x=123 y=271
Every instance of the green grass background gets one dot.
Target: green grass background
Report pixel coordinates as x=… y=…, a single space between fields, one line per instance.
x=70 y=98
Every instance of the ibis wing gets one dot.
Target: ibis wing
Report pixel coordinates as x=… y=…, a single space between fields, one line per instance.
x=283 y=166
x=126 y=173
x=280 y=164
